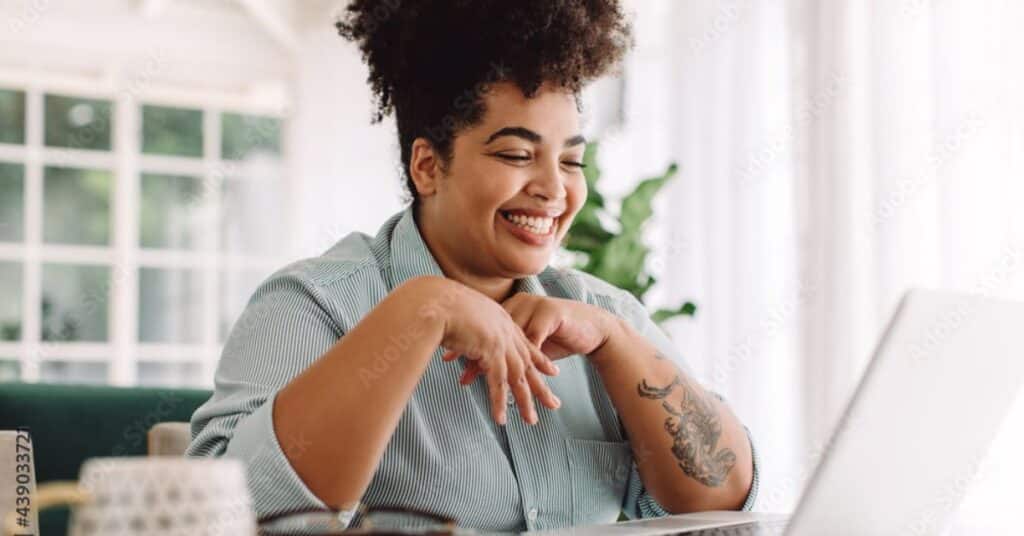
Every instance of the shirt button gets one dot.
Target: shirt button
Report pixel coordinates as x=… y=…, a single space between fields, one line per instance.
x=532 y=514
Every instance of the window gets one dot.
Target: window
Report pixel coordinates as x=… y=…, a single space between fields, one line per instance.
x=132 y=233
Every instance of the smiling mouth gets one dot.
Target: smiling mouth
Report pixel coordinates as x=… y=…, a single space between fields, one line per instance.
x=540 y=226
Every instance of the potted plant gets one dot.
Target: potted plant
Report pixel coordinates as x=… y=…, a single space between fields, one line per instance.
x=619 y=255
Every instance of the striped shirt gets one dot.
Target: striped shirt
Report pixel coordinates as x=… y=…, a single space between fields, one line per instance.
x=446 y=456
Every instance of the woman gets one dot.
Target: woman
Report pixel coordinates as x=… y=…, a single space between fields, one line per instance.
x=402 y=369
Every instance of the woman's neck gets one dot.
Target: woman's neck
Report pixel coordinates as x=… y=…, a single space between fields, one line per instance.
x=496 y=288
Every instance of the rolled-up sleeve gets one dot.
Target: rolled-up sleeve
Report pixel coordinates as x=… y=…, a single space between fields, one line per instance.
x=283 y=329
x=274 y=484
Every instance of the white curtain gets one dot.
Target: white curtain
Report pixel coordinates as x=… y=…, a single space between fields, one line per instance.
x=833 y=154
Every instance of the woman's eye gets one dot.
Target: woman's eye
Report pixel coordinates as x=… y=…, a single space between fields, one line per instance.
x=526 y=158
x=513 y=157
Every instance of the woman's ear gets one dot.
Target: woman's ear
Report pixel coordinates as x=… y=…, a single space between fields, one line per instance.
x=424 y=167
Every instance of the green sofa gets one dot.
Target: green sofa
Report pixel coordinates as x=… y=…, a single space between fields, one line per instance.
x=70 y=423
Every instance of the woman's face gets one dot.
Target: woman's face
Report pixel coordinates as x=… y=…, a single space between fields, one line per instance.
x=513 y=186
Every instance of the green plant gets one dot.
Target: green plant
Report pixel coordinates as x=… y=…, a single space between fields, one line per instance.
x=619 y=256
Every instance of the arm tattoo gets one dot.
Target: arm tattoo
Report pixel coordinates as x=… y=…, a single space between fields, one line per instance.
x=695 y=430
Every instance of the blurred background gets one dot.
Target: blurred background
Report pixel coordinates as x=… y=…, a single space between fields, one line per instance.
x=159 y=158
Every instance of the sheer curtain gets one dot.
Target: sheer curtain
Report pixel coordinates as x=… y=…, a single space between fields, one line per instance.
x=913 y=179
x=833 y=155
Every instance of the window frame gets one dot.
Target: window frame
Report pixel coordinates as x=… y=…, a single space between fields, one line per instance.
x=122 y=352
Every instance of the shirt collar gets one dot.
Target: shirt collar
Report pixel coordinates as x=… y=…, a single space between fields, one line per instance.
x=410 y=257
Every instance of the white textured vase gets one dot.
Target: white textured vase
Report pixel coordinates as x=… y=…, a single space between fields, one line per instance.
x=161 y=496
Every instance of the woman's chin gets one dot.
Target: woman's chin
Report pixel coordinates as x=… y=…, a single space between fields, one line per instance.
x=527 y=265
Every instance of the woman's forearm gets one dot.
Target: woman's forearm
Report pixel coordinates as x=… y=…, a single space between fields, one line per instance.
x=345 y=407
x=692 y=453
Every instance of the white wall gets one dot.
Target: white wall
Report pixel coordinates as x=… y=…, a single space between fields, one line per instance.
x=193 y=45
x=346 y=170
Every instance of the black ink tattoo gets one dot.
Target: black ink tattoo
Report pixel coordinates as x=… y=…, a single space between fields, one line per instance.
x=695 y=430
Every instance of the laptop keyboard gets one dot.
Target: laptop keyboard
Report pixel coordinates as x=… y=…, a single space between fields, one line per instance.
x=764 y=528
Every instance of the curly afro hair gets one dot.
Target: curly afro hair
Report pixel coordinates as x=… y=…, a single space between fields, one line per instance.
x=431 y=61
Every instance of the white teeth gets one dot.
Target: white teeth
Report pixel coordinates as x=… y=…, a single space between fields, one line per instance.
x=536 y=225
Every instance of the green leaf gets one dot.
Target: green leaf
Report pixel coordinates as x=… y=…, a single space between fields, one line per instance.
x=586 y=234
x=687 y=309
x=621 y=262
x=618 y=256
x=636 y=207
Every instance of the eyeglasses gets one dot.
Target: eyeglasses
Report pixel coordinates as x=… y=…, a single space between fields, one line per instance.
x=375 y=520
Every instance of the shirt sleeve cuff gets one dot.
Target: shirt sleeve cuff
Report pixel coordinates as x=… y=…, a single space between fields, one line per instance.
x=748 y=505
x=275 y=486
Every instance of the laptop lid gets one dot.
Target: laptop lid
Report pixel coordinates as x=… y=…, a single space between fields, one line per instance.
x=941 y=382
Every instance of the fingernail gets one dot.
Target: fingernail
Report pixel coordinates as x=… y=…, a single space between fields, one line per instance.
x=558 y=401
x=557 y=370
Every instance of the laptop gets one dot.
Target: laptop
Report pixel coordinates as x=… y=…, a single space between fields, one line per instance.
x=941 y=382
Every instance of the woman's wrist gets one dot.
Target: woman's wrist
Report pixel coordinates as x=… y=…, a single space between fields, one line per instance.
x=614 y=330
x=431 y=297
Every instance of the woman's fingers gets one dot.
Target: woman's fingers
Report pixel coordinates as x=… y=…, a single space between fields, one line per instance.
x=470 y=373
x=542 y=361
x=537 y=384
x=541 y=364
x=517 y=382
x=532 y=385
x=518 y=373
x=540 y=388
x=542 y=324
x=497 y=386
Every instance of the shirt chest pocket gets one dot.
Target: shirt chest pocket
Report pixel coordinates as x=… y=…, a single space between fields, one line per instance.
x=598 y=473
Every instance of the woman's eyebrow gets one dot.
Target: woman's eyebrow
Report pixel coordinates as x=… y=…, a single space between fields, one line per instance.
x=575 y=140
x=519 y=132
x=530 y=136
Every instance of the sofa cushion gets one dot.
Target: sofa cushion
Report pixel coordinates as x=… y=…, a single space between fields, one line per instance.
x=71 y=423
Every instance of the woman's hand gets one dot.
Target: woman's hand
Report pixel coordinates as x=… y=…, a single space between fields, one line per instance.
x=484 y=332
x=557 y=326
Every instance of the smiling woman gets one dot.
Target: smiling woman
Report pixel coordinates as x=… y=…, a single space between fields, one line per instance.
x=351 y=378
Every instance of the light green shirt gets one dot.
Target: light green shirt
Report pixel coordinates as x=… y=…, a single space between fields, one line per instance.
x=447 y=455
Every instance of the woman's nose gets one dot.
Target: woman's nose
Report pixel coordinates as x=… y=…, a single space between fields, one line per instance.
x=548 y=185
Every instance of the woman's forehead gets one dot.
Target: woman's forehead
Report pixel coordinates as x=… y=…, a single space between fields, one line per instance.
x=551 y=112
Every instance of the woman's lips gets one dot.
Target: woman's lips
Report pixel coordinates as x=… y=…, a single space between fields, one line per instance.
x=527 y=236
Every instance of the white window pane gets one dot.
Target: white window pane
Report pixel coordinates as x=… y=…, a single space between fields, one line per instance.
x=10 y=301
x=72 y=372
x=76 y=206
x=170 y=305
x=155 y=374
x=12 y=116
x=172 y=131
x=169 y=215
x=74 y=304
x=78 y=123
x=12 y=202
x=10 y=369
x=236 y=287
x=251 y=213
x=246 y=135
